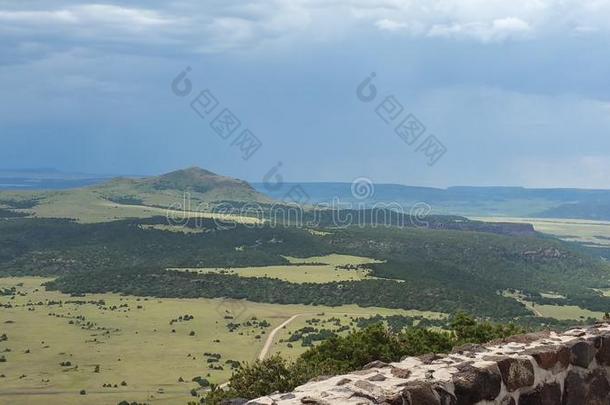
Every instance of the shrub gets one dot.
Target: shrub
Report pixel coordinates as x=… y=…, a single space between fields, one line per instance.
x=341 y=354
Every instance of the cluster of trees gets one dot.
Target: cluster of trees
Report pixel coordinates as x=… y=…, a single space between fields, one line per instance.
x=4 y=213
x=182 y=318
x=308 y=335
x=126 y=199
x=22 y=203
x=348 y=353
x=36 y=246
x=366 y=293
x=203 y=382
x=395 y=323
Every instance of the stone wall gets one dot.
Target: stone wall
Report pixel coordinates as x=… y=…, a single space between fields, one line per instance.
x=570 y=368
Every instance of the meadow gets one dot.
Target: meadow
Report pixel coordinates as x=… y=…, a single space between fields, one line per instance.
x=566 y=312
x=136 y=348
x=318 y=269
x=559 y=312
x=90 y=206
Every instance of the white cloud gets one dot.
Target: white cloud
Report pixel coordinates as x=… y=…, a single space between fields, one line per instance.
x=496 y=30
x=89 y=14
x=510 y=24
x=33 y=17
x=230 y=24
x=387 y=24
x=229 y=32
x=88 y=24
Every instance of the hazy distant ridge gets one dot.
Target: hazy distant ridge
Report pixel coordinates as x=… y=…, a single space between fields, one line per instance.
x=469 y=200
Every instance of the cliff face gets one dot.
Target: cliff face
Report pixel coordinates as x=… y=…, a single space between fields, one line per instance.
x=570 y=368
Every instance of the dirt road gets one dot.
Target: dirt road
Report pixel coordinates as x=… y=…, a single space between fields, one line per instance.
x=274 y=332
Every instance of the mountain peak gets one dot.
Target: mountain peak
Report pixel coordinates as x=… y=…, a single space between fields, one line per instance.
x=212 y=186
x=193 y=171
x=203 y=184
x=195 y=179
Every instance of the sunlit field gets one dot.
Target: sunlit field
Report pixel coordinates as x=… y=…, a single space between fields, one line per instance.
x=321 y=269
x=147 y=343
x=559 y=312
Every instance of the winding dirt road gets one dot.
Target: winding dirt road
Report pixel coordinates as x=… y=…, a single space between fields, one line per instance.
x=274 y=332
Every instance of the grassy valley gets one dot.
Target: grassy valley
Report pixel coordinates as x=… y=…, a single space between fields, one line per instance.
x=58 y=345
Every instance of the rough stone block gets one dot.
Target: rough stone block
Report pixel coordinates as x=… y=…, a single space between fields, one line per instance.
x=314 y=401
x=377 y=377
x=516 y=372
x=400 y=372
x=548 y=394
x=445 y=397
x=574 y=389
x=420 y=393
x=375 y=364
x=507 y=400
x=603 y=354
x=582 y=353
x=344 y=381
x=476 y=384
x=598 y=388
x=233 y=401
x=550 y=357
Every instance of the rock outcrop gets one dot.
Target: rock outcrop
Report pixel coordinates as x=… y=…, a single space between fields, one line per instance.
x=570 y=368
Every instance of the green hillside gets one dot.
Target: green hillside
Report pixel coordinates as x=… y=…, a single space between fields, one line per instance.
x=192 y=189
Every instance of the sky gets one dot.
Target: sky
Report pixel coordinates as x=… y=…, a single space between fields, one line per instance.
x=506 y=92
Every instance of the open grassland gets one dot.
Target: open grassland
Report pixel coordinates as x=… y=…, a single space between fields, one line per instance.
x=593 y=233
x=89 y=206
x=319 y=269
x=560 y=312
x=566 y=312
x=141 y=341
